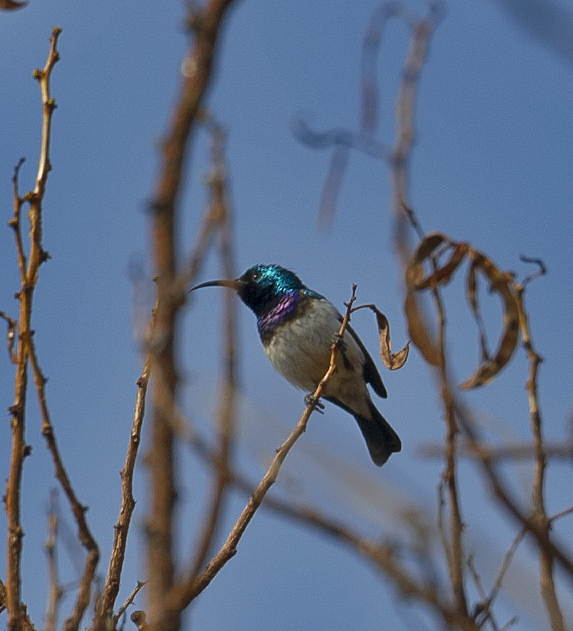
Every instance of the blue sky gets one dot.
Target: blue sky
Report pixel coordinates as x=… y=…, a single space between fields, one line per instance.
x=492 y=165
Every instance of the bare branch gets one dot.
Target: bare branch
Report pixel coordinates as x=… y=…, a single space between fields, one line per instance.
x=546 y=560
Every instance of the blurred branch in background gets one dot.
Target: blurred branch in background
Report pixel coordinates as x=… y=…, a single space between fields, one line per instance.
x=206 y=25
x=443 y=258
x=343 y=140
x=220 y=211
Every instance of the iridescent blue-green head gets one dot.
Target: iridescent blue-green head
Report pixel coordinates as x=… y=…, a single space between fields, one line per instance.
x=261 y=287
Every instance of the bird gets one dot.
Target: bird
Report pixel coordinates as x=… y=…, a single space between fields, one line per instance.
x=297 y=327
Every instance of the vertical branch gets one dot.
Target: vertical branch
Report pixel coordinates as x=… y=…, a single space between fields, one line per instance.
x=227 y=408
x=405 y=129
x=29 y=269
x=221 y=212
x=207 y=24
x=453 y=547
x=546 y=560
x=405 y=135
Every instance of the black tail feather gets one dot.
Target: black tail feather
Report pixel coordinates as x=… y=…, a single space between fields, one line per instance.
x=381 y=440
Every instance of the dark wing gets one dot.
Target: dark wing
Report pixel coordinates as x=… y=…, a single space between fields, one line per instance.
x=370 y=372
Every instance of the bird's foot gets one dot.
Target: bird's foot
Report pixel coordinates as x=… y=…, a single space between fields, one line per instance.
x=314 y=403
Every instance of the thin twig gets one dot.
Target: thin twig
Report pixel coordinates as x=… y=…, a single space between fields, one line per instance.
x=55 y=592
x=505 y=566
x=482 y=611
x=15 y=224
x=113 y=579
x=405 y=135
x=129 y=600
x=562 y=513
x=546 y=561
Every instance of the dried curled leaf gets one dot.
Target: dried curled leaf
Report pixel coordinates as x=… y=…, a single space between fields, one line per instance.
x=432 y=249
x=419 y=333
x=428 y=250
x=392 y=361
x=500 y=282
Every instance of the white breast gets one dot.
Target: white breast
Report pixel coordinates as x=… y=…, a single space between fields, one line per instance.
x=300 y=351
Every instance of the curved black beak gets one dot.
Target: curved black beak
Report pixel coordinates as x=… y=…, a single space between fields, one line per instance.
x=236 y=284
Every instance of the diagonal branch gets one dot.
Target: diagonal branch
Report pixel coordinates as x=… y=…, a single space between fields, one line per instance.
x=183 y=594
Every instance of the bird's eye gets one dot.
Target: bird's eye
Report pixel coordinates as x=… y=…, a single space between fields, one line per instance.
x=255 y=275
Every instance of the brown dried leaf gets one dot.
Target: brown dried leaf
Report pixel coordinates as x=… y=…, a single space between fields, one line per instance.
x=392 y=361
x=418 y=330
x=472 y=288
x=426 y=250
x=500 y=282
x=430 y=249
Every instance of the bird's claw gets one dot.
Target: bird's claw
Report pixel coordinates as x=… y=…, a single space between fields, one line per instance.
x=314 y=403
